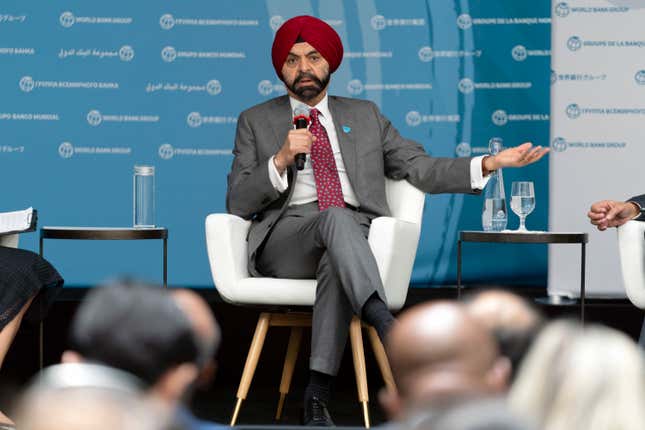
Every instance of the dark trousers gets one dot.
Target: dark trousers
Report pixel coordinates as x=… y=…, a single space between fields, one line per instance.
x=330 y=246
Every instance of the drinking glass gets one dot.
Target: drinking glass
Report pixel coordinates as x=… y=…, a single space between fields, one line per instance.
x=522 y=201
x=143 y=194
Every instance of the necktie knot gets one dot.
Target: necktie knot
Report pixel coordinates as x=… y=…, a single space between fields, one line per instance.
x=313 y=113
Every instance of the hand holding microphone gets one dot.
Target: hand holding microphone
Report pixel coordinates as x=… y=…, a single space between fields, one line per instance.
x=297 y=144
x=300 y=121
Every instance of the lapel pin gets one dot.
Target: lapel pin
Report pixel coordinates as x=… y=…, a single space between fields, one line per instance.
x=347 y=128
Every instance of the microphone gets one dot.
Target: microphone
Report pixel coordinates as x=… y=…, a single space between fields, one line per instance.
x=301 y=120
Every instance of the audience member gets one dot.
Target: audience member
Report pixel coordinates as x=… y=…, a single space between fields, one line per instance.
x=440 y=355
x=575 y=378
x=512 y=320
x=81 y=396
x=480 y=414
x=161 y=337
x=205 y=328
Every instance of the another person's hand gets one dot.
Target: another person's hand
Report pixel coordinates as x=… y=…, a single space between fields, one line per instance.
x=297 y=142
x=517 y=156
x=610 y=213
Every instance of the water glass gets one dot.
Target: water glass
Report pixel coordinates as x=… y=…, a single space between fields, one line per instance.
x=143 y=196
x=522 y=201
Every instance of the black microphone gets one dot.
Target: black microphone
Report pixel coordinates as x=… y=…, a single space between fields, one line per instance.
x=301 y=120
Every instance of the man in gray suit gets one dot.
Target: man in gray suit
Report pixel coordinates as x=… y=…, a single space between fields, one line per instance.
x=314 y=223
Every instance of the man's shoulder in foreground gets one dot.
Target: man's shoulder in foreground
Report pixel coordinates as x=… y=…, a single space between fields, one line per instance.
x=266 y=106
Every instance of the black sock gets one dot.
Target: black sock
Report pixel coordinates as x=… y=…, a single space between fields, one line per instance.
x=319 y=386
x=376 y=314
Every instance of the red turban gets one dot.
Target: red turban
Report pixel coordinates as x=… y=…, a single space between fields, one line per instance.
x=312 y=30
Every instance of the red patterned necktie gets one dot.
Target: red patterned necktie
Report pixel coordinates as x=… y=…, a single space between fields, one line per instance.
x=324 y=165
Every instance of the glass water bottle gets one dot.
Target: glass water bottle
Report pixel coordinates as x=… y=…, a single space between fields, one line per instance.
x=494 y=213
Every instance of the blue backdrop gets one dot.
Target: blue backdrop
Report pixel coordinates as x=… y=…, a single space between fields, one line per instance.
x=88 y=90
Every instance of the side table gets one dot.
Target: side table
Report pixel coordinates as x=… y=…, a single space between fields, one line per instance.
x=103 y=233
x=531 y=237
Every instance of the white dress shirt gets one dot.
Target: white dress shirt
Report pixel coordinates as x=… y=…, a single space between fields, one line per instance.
x=305 y=187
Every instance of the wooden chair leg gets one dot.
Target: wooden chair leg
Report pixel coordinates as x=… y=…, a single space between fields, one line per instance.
x=381 y=359
x=295 y=338
x=358 y=353
x=251 y=361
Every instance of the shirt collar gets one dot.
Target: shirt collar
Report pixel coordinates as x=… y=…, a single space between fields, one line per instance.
x=322 y=106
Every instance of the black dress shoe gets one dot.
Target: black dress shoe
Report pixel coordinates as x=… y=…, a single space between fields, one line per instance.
x=315 y=413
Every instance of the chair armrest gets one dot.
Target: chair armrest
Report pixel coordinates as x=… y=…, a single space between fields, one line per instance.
x=226 y=244
x=631 y=246
x=394 y=244
x=9 y=240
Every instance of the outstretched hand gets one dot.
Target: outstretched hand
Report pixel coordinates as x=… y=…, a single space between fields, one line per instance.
x=610 y=213
x=517 y=156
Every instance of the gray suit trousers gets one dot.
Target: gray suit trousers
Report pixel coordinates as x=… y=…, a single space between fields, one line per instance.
x=330 y=246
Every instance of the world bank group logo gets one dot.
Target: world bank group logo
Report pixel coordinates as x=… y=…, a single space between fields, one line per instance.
x=265 y=87
x=464 y=21
x=194 y=119
x=639 y=77
x=126 y=53
x=276 y=22
x=574 y=43
x=213 y=87
x=519 y=53
x=26 y=84
x=573 y=111
x=466 y=86
x=378 y=22
x=559 y=144
x=426 y=54
x=463 y=150
x=355 y=87
x=413 y=118
x=499 y=117
x=65 y=150
x=167 y=21
x=562 y=9
x=67 y=19
x=168 y=54
x=166 y=151
x=94 y=118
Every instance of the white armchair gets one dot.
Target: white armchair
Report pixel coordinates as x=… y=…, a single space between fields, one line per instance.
x=10 y=240
x=631 y=245
x=394 y=242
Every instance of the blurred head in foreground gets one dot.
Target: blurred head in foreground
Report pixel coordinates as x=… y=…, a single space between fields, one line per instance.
x=80 y=396
x=479 y=414
x=440 y=355
x=163 y=338
x=575 y=378
x=512 y=320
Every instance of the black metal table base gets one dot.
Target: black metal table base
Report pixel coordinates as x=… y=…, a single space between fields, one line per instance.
x=537 y=237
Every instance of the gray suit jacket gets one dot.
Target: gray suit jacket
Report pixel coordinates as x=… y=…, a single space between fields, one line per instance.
x=371 y=150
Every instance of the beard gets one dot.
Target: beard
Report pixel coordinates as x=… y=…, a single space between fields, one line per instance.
x=312 y=90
